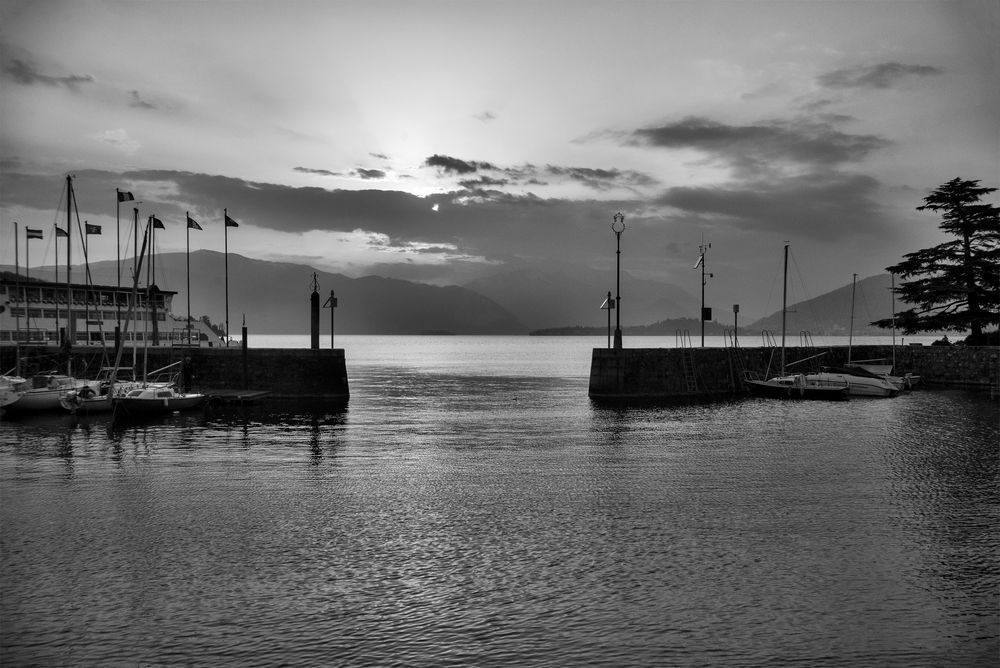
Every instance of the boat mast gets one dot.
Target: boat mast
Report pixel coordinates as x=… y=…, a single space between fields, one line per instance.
x=70 y=320
x=784 y=306
x=23 y=300
x=892 y=281
x=850 y=337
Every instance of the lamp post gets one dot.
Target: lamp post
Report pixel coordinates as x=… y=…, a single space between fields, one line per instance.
x=618 y=226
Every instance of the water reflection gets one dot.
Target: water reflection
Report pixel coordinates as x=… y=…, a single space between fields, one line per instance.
x=445 y=517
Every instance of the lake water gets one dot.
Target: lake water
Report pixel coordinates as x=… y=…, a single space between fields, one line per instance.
x=470 y=506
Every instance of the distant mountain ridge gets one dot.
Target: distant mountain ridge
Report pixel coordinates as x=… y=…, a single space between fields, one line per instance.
x=274 y=298
x=830 y=314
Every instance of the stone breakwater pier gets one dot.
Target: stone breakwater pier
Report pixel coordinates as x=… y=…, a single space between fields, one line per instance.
x=223 y=372
x=677 y=373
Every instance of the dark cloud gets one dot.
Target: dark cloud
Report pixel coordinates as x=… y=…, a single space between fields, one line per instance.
x=602 y=179
x=138 y=102
x=380 y=156
x=368 y=174
x=25 y=74
x=764 y=145
x=482 y=182
x=825 y=206
x=486 y=116
x=454 y=165
x=321 y=172
x=881 y=75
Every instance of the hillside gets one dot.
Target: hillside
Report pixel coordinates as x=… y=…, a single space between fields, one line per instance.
x=830 y=314
x=551 y=297
x=274 y=297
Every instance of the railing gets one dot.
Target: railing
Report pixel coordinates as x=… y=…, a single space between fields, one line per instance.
x=767 y=339
x=682 y=338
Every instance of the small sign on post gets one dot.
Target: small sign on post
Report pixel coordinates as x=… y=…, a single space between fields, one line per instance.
x=608 y=305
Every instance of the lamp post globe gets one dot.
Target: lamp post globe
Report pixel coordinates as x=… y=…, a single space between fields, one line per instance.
x=618 y=226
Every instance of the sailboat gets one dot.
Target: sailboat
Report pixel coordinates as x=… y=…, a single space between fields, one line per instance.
x=794 y=386
x=860 y=382
x=879 y=366
x=147 y=397
x=43 y=391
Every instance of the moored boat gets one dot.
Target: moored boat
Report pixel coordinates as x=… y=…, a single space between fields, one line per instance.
x=46 y=391
x=148 y=400
x=794 y=386
x=859 y=382
x=797 y=386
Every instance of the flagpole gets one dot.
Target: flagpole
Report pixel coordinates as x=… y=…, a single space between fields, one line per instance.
x=187 y=257
x=27 y=259
x=225 y=226
x=70 y=323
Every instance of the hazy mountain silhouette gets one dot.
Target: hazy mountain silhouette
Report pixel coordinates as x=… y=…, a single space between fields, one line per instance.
x=830 y=313
x=557 y=297
x=274 y=296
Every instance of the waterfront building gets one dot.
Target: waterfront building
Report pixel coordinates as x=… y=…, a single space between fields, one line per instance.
x=45 y=313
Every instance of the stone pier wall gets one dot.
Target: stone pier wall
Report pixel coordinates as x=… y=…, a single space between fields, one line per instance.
x=283 y=372
x=652 y=373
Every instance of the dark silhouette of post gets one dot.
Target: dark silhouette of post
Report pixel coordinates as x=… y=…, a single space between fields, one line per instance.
x=331 y=304
x=704 y=312
x=736 y=326
x=618 y=226
x=608 y=304
x=314 y=315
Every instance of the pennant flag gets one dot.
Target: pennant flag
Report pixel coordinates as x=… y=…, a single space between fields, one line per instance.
x=60 y=232
x=230 y=222
x=125 y=197
x=193 y=224
x=701 y=258
x=92 y=229
x=30 y=233
x=158 y=224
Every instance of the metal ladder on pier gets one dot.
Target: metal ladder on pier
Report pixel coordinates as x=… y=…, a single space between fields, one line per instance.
x=738 y=364
x=682 y=338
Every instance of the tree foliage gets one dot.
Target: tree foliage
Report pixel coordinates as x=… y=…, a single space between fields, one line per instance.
x=954 y=286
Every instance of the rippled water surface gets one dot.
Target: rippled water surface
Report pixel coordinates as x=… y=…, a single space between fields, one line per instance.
x=471 y=506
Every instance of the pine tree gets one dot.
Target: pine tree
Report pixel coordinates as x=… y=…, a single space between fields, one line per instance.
x=955 y=286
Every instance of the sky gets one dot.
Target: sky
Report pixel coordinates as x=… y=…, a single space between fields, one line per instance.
x=441 y=141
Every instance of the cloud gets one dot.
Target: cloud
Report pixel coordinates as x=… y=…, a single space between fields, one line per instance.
x=138 y=102
x=486 y=116
x=25 y=74
x=881 y=75
x=320 y=172
x=602 y=179
x=118 y=138
x=454 y=165
x=826 y=207
x=368 y=174
x=762 y=146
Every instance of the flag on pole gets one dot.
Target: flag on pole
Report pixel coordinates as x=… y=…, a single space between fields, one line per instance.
x=60 y=232
x=193 y=224
x=230 y=222
x=608 y=305
x=30 y=233
x=158 y=224
x=701 y=258
x=125 y=197
x=92 y=229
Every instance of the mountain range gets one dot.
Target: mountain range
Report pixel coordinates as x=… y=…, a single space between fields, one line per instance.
x=274 y=299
